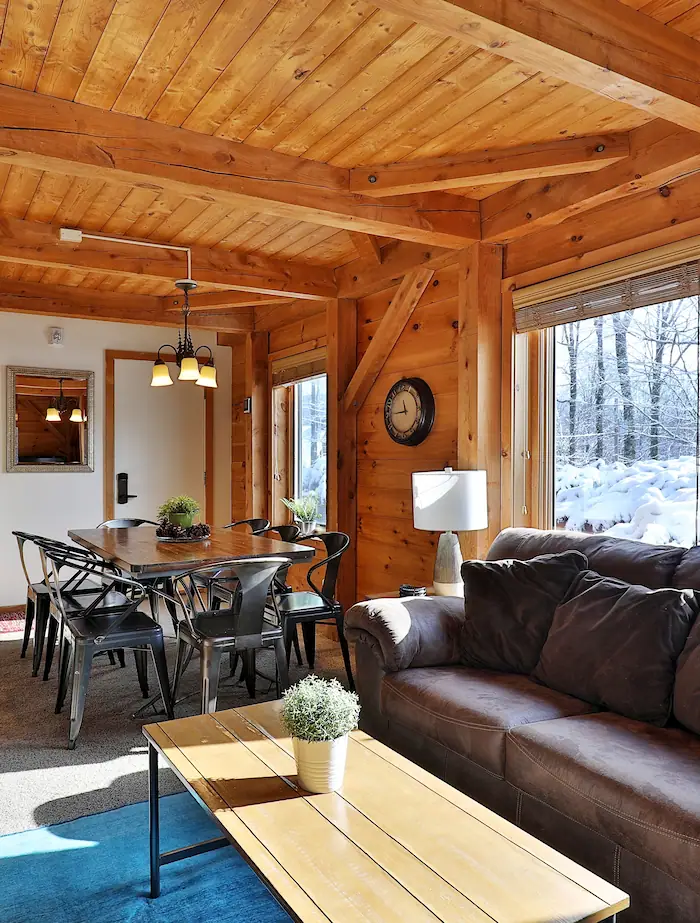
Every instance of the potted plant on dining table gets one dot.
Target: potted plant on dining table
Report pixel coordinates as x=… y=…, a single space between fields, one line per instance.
x=319 y=714
x=180 y=511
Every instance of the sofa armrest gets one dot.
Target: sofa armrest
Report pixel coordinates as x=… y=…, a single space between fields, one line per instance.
x=411 y=632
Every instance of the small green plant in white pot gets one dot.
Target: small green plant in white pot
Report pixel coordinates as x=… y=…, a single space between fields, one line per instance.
x=319 y=714
x=305 y=511
x=180 y=511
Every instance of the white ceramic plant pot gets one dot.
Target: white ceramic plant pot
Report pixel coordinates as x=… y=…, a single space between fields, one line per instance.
x=320 y=763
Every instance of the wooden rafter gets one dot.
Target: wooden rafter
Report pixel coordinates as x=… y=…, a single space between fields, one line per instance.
x=222 y=302
x=659 y=154
x=367 y=246
x=362 y=277
x=510 y=165
x=71 y=301
x=65 y=137
x=390 y=328
x=38 y=245
x=603 y=46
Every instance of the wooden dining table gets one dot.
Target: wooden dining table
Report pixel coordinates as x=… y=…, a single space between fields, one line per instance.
x=138 y=552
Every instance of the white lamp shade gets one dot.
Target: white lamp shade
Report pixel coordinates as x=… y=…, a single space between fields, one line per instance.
x=207 y=377
x=52 y=415
x=161 y=375
x=449 y=501
x=189 y=369
x=76 y=415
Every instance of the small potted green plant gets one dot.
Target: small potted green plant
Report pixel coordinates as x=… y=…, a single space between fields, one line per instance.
x=180 y=511
x=305 y=510
x=319 y=714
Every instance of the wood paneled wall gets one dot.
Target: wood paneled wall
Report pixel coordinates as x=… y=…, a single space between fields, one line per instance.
x=389 y=550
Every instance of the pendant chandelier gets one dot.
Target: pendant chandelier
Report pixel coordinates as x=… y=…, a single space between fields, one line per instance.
x=185 y=353
x=61 y=405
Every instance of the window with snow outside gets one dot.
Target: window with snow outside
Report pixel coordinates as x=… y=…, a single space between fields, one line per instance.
x=626 y=423
x=310 y=441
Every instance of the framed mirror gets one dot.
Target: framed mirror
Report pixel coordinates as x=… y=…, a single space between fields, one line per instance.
x=50 y=419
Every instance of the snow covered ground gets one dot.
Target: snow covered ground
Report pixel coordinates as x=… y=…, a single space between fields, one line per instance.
x=652 y=501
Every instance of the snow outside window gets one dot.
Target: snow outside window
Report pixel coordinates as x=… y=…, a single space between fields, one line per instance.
x=310 y=440
x=626 y=423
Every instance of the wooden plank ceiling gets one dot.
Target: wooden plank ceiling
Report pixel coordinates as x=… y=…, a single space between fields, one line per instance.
x=339 y=82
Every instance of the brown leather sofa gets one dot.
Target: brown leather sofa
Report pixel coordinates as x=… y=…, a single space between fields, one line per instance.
x=619 y=796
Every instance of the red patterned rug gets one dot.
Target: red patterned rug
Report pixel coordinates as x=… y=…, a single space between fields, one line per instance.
x=12 y=620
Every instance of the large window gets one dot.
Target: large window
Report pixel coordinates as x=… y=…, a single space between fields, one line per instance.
x=310 y=440
x=626 y=423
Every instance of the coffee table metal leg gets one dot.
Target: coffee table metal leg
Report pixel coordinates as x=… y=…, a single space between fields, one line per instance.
x=154 y=819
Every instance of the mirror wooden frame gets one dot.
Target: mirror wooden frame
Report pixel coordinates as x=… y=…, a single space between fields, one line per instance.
x=12 y=467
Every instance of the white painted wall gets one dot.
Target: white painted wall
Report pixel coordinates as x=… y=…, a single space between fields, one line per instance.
x=50 y=504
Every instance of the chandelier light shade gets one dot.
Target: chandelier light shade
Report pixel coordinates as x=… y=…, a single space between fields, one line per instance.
x=52 y=415
x=185 y=353
x=62 y=404
x=77 y=415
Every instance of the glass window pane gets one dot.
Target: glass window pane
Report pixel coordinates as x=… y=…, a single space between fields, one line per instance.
x=626 y=424
x=311 y=441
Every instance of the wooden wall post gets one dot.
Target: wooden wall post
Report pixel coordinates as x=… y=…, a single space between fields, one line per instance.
x=479 y=380
x=256 y=378
x=342 y=437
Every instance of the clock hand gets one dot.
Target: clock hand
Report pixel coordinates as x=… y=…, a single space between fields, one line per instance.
x=404 y=407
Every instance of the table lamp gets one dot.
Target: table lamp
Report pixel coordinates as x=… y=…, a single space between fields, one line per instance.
x=449 y=501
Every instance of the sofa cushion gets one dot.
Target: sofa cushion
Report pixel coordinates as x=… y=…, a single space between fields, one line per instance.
x=509 y=606
x=634 y=562
x=616 y=645
x=469 y=711
x=686 y=695
x=637 y=784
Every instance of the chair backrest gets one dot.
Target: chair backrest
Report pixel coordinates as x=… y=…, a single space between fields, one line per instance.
x=336 y=544
x=254 y=576
x=41 y=541
x=287 y=533
x=111 y=594
x=257 y=526
x=125 y=523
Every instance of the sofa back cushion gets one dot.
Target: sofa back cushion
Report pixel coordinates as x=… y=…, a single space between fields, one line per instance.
x=509 y=606
x=616 y=645
x=686 y=695
x=634 y=562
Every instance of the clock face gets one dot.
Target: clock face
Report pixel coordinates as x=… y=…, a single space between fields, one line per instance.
x=409 y=411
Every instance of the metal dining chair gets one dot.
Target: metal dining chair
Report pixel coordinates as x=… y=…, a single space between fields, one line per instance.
x=37 y=611
x=243 y=627
x=106 y=619
x=319 y=605
x=126 y=523
x=256 y=525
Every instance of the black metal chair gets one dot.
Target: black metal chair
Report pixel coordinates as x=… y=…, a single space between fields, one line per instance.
x=126 y=523
x=103 y=620
x=319 y=605
x=37 y=610
x=257 y=526
x=242 y=628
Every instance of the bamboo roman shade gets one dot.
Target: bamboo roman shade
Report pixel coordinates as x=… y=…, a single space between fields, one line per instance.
x=298 y=367
x=641 y=291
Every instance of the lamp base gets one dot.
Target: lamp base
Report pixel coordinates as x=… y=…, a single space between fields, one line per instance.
x=447 y=577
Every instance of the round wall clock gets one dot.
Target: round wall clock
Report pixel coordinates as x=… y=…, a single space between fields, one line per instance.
x=409 y=411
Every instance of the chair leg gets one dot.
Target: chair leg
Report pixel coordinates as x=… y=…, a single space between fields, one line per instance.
x=41 y=617
x=28 y=622
x=295 y=642
x=64 y=666
x=120 y=657
x=82 y=664
x=141 y=660
x=161 y=665
x=50 y=647
x=340 y=623
x=209 y=664
x=233 y=659
x=282 y=673
x=308 y=630
x=110 y=657
x=180 y=665
x=249 y=661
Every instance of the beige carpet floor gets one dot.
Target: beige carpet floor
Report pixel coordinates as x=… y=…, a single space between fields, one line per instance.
x=42 y=782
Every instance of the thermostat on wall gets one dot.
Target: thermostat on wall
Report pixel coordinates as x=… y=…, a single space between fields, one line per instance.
x=55 y=336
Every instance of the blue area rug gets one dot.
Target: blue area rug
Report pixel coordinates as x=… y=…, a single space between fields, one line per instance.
x=96 y=869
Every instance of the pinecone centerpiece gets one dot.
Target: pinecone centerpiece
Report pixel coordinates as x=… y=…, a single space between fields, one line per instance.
x=174 y=532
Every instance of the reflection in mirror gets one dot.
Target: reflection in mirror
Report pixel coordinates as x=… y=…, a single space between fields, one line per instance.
x=52 y=420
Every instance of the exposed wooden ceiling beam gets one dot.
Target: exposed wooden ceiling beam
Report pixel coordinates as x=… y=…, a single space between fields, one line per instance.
x=38 y=245
x=60 y=136
x=70 y=301
x=367 y=246
x=479 y=168
x=363 y=277
x=222 y=302
x=659 y=153
x=603 y=46
x=391 y=326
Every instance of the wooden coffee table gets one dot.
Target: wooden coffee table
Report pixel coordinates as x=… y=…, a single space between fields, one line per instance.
x=397 y=845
